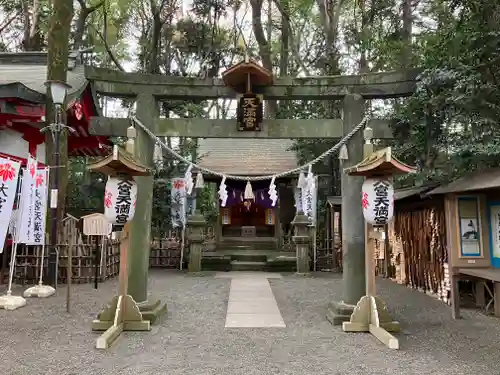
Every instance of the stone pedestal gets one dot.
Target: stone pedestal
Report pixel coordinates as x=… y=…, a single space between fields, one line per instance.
x=301 y=242
x=195 y=224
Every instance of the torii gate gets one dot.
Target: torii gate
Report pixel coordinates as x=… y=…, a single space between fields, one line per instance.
x=353 y=90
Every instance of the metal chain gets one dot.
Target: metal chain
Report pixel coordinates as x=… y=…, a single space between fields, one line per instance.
x=335 y=148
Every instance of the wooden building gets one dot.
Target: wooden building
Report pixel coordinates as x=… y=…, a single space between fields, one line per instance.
x=22 y=107
x=472 y=213
x=251 y=228
x=255 y=157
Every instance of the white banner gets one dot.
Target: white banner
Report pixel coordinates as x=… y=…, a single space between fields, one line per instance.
x=40 y=197
x=9 y=175
x=178 y=202
x=297 y=193
x=306 y=199
x=24 y=226
x=314 y=213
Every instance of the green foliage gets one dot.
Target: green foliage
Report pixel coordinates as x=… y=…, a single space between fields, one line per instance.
x=209 y=207
x=449 y=126
x=85 y=194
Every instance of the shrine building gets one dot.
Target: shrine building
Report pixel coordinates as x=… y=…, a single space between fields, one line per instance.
x=22 y=107
x=252 y=157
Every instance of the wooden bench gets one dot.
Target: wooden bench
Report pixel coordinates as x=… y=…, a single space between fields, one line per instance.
x=480 y=275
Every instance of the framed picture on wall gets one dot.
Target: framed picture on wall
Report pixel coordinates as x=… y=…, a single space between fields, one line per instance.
x=469 y=227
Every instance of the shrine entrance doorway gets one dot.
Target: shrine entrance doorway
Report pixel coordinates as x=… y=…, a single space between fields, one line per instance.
x=249 y=219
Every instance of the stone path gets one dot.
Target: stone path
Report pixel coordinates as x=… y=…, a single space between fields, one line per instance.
x=41 y=338
x=251 y=302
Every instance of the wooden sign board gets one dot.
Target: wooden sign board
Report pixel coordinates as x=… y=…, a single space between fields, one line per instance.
x=96 y=225
x=117 y=228
x=250 y=112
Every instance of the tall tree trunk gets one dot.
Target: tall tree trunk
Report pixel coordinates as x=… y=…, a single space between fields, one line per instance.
x=330 y=12
x=406 y=33
x=285 y=43
x=32 y=38
x=58 y=51
x=363 y=38
x=80 y=28
x=264 y=48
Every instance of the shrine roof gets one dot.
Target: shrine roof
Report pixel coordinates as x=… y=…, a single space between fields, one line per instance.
x=413 y=191
x=334 y=200
x=474 y=181
x=248 y=157
x=118 y=161
x=381 y=161
x=23 y=74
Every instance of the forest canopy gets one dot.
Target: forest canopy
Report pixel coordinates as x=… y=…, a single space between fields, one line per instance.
x=446 y=128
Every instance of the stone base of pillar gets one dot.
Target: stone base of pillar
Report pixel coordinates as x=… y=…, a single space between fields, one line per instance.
x=195 y=254
x=339 y=312
x=302 y=255
x=153 y=310
x=195 y=225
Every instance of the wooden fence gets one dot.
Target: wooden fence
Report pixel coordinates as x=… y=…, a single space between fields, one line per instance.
x=329 y=254
x=164 y=253
x=83 y=262
x=419 y=256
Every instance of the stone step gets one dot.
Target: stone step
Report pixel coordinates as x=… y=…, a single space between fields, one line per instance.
x=247 y=246
x=237 y=265
x=249 y=257
x=271 y=261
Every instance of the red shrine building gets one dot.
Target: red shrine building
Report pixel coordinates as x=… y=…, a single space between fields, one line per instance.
x=22 y=107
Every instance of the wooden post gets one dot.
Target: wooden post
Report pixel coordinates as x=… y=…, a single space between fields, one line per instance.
x=480 y=300
x=371 y=314
x=69 y=276
x=301 y=241
x=122 y=314
x=4 y=262
x=96 y=262
x=455 y=293
x=387 y=253
x=123 y=274
x=369 y=242
x=196 y=224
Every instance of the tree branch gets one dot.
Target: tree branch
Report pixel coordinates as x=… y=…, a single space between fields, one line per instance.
x=10 y=20
x=288 y=25
x=108 y=49
x=95 y=7
x=260 y=36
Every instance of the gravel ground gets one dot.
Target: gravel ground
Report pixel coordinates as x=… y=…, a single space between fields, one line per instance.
x=42 y=338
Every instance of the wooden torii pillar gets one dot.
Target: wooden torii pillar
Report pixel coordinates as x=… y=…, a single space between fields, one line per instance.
x=148 y=89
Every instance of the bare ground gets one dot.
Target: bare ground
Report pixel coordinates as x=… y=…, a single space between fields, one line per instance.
x=42 y=338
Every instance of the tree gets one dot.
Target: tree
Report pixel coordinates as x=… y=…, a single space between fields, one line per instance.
x=448 y=127
x=57 y=68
